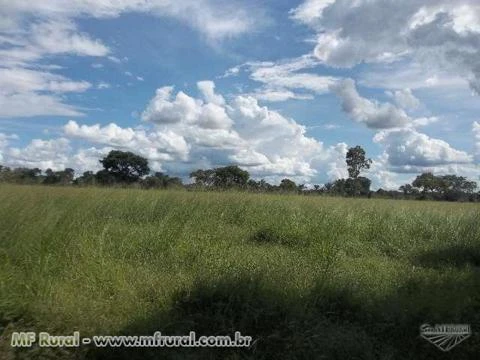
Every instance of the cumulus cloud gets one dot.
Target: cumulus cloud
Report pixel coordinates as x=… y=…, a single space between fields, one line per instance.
x=409 y=150
x=404 y=98
x=438 y=34
x=4 y=142
x=156 y=145
x=371 y=113
x=207 y=88
x=43 y=154
x=165 y=108
x=406 y=150
x=182 y=133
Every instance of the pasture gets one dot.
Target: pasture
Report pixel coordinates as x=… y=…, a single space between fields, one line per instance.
x=307 y=277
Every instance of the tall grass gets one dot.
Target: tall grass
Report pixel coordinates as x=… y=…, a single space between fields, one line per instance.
x=306 y=277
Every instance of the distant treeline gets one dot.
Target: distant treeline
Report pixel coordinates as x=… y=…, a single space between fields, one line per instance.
x=128 y=169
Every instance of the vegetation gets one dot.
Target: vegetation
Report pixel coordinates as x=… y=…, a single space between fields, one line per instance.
x=127 y=169
x=306 y=277
x=356 y=161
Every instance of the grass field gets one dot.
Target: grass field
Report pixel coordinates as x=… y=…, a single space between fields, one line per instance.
x=306 y=277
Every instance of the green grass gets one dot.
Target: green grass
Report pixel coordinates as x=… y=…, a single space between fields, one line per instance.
x=306 y=277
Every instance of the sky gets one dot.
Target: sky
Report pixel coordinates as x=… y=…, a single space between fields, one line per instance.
x=281 y=88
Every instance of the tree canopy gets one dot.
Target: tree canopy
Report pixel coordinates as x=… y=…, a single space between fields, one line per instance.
x=129 y=169
x=222 y=177
x=357 y=161
x=124 y=166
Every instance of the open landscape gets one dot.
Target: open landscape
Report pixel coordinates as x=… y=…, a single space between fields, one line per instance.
x=239 y=179
x=306 y=277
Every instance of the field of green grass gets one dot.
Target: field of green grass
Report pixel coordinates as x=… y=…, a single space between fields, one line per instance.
x=306 y=277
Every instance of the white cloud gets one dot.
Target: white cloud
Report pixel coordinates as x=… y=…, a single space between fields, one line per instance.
x=424 y=121
x=164 y=109
x=404 y=98
x=238 y=131
x=43 y=154
x=476 y=134
x=438 y=34
x=311 y=11
x=48 y=37
x=103 y=85
x=88 y=159
x=279 y=95
x=34 y=104
x=281 y=78
x=373 y=114
x=62 y=37
x=412 y=75
x=216 y=21
x=114 y=59
x=34 y=30
x=207 y=88
x=18 y=80
x=157 y=146
x=25 y=93
x=407 y=149
x=4 y=142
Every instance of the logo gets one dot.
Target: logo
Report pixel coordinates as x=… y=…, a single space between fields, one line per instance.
x=445 y=336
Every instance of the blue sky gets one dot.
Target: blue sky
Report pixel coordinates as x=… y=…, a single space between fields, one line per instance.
x=281 y=88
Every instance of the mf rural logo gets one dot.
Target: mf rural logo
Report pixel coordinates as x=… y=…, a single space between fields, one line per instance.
x=445 y=336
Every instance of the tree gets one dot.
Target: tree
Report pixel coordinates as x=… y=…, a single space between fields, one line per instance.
x=427 y=182
x=455 y=188
x=5 y=173
x=408 y=189
x=457 y=183
x=288 y=185
x=203 y=177
x=356 y=161
x=224 y=177
x=253 y=185
x=328 y=187
x=104 y=177
x=357 y=186
x=124 y=167
x=64 y=177
x=229 y=176
x=161 y=180
x=87 y=178
x=26 y=175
